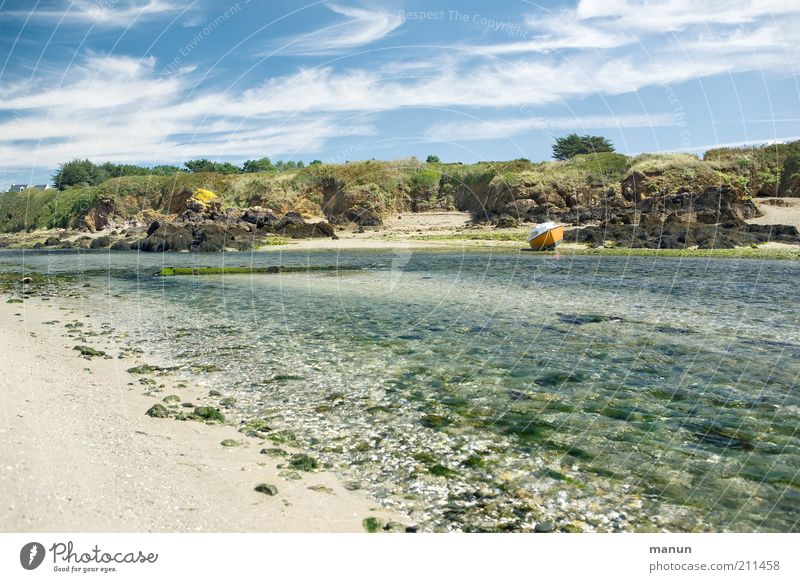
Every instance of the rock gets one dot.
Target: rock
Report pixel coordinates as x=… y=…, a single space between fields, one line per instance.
x=667 y=242
x=209 y=413
x=274 y=452
x=164 y=236
x=362 y=217
x=506 y=221
x=267 y=489
x=52 y=241
x=231 y=443
x=121 y=245
x=303 y=462
x=100 y=242
x=214 y=393
x=228 y=402
x=321 y=489
x=519 y=209
x=394 y=526
x=260 y=217
x=544 y=527
x=89 y=351
x=158 y=411
x=171 y=399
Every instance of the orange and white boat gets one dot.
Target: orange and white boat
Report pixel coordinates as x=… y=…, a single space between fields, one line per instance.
x=546 y=236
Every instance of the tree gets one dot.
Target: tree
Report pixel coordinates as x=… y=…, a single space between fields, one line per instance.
x=432 y=159
x=205 y=165
x=315 y=162
x=260 y=165
x=75 y=173
x=165 y=170
x=573 y=144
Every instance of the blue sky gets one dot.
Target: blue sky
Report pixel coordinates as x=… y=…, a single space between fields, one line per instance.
x=157 y=81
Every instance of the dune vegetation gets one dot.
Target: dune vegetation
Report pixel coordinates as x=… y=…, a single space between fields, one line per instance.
x=377 y=188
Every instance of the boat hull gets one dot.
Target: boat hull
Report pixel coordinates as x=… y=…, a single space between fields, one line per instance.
x=548 y=240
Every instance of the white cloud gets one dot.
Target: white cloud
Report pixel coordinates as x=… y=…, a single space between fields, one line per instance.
x=610 y=24
x=117 y=108
x=676 y=15
x=361 y=27
x=506 y=128
x=108 y=13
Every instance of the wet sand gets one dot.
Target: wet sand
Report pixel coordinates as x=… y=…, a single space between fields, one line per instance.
x=78 y=453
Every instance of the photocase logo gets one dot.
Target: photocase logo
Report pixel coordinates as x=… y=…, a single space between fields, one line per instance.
x=31 y=555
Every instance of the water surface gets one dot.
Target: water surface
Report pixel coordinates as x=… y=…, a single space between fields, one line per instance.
x=482 y=391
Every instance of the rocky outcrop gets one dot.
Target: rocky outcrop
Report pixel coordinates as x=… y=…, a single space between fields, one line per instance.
x=712 y=206
x=206 y=227
x=676 y=235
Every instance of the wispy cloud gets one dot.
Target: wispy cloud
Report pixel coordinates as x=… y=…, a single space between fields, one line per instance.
x=610 y=24
x=118 y=108
x=111 y=13
x=361 y=26
x=506 y=128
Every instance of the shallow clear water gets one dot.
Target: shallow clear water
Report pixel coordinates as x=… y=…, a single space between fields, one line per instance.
x=492 y=391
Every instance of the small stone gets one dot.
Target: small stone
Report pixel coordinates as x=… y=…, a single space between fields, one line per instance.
x=231 y=443
x=321 y=489
x=89 y=351
x=544 y=527
x=394 y=526
x=158 y=411
x=214 y=393
x=267 y=489
x=274 y=452
x=303 y=462
x=290 y=475
x=187 y=404
x=171 y=399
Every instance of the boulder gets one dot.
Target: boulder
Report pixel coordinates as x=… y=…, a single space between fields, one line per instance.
x=259 y=217
x=100 y=242
x=164 y=236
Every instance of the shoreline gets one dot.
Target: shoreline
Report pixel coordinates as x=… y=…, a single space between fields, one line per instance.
x=80 y=454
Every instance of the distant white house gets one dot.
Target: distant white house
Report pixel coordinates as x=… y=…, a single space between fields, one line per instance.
x=21 y=187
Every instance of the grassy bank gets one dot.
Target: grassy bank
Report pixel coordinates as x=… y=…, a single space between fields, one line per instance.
x=408 y=184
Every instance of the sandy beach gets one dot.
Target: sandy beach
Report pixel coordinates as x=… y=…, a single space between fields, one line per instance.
x=79 y=454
